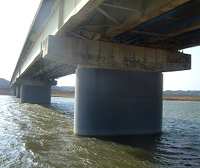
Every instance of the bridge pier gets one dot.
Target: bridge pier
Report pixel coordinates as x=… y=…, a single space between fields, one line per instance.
x=117 y=102
x=122 y=92
x=13 y=91
x=118 y=87
x=18 y=88
x=35 y=94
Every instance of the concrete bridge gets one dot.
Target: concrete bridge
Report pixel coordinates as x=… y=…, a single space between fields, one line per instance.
x=118 y=50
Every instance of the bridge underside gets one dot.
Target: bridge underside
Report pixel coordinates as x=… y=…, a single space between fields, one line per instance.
x=168 y=25
x=118 y=49
x=44 y=69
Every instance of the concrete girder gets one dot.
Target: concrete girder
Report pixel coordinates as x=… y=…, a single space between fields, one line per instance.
x=107 y=55
x=81 y=13
x=150 y=9
x=31 y=82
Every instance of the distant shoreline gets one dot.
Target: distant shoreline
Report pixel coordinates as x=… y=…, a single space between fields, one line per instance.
x=171 y=97
x=5 y=92
x=178 y=97
x=62 y=93
x=71 y=94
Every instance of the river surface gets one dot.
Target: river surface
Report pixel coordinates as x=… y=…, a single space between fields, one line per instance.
x=41 y=136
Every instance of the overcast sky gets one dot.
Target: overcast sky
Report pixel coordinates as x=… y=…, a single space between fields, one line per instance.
x=16 y=17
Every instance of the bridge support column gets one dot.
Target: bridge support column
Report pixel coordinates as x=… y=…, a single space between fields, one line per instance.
x=13 y=91
x=117 y=102
x=18 y=88
x=35 y=94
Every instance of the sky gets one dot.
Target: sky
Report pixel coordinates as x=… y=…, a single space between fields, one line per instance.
x=16 y=17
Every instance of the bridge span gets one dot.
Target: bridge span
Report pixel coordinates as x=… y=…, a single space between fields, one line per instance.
x=118 y=50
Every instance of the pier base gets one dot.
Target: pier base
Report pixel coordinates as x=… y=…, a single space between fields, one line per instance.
x=36 y=94
x=116 y=102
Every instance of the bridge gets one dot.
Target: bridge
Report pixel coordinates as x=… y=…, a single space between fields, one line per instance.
x=118 y=50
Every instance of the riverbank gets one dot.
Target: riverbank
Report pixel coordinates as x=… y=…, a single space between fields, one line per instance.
x=179 y=97
x=71 y=94
x=62 y=93
x=172 y=97
x=5 y=92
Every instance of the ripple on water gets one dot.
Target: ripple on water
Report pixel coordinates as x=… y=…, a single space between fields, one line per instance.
x=42 y=136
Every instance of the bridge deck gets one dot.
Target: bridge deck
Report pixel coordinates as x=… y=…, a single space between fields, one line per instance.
x=170 y=25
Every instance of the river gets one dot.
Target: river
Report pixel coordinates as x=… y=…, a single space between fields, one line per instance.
x=42 y=136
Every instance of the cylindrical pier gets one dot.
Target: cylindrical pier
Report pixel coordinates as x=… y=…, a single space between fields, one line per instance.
x=117 y=102
x=18 y=88
x=13 y=91
x=36 y=94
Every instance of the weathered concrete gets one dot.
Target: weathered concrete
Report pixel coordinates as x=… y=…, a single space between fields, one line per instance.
x=98 y=54
x=22 y=81
x=36 y=94
x=113 y=102
x=53 y=17
x=18 y=89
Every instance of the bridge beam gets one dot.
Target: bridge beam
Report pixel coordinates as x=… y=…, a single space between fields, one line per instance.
x=107 y=55
x=23 y=81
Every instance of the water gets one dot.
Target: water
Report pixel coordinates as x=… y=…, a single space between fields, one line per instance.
x=42 y=136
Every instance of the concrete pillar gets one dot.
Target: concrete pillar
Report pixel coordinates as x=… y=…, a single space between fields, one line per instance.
x=117 y=102
x=18 y=88
x=13 y=90
x=35 y=94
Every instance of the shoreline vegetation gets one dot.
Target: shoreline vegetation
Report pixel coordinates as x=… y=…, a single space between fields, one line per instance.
x=171 y=97
x=179 y=97
x=62 y=93
x=5 y=91
x=70 y=94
